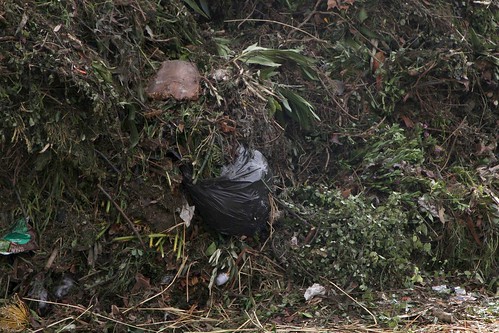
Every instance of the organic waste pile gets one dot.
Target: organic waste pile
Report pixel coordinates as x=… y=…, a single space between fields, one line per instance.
x=372 y=129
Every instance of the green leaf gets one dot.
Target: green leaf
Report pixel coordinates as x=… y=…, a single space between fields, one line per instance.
x=255 y=54
x=211 y=249
x=298 y=108
x=307 y=315
x=363 y=15
x=273 y=106
x=369 y=33
x=286 y=105
x=102 y=71
x=309 y=74
x=132 y=127
x=261 y=60
x=253 y=47
x=204 y=6
x=197 y=9
x=267 y=73
x=222 y=44
x=476 y=40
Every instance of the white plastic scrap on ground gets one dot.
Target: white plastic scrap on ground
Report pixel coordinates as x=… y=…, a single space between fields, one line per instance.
x=187 y=213
x=460 y=291
x=459 y=294
x=315 y=290
x=441 y=289
x=221 y=279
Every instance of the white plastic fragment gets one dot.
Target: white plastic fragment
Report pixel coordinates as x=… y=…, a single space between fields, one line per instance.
x=221 y=279
x=441 y=289
x=462 y=296
x=187 y=213
x=221 y=75
x=458 y=299
x=68 y=328
x=64 y=288
x=315 y=290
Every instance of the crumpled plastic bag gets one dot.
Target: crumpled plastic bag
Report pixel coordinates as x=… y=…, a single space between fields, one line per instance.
x=237 y=202
x=21 y=238
x=315 y=290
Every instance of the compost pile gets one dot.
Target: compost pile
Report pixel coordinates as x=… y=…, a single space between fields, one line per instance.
x=373 y=128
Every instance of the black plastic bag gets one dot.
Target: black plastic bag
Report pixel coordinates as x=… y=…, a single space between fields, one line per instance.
x=237 y=202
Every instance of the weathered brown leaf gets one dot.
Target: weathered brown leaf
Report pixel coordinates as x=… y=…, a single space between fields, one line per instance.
x=340 y=4
x=331 y=4
x=346 y=193
x=335 y=138
x=407 y=121
x=378 y=60
x=227 y=125
x=142 y=283
x=472 y=228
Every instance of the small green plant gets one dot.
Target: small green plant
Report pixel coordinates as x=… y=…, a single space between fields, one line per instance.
x=356 y=241
x=384 y=234
x=223 y=261
x=281 y=97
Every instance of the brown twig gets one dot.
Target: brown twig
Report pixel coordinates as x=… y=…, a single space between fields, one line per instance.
x=309 y=16
x=356 y=302
x=130 y=223
x=455 y=135
x=280 y=23
x=179 y=271
x=83 y=311
x=7 y=38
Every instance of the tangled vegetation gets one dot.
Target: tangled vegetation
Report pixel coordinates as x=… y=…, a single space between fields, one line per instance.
x=379 y=122
x=390 y=219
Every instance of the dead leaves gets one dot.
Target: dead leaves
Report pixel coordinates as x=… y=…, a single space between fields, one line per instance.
x=227 y=125
x=339 y=4
x=377 y=61
x=14 y=317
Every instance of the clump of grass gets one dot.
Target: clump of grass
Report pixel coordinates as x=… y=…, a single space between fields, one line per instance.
x=15 y=316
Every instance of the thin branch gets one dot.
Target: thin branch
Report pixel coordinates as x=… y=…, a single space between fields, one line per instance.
x=130 y=223
x=356 y=302
x=280 y=23
x=179 y=271
x=309 y=16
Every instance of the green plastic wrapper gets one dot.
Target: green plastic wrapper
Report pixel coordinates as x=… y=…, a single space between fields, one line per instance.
x=21 y=238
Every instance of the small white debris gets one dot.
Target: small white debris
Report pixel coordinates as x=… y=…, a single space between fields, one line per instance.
x=187 y=213
x=315 y=290
x=441 y=289
x=64 y=288
x=220 y=75
x=68 y=328
x=221 y=279
x=460 y=291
